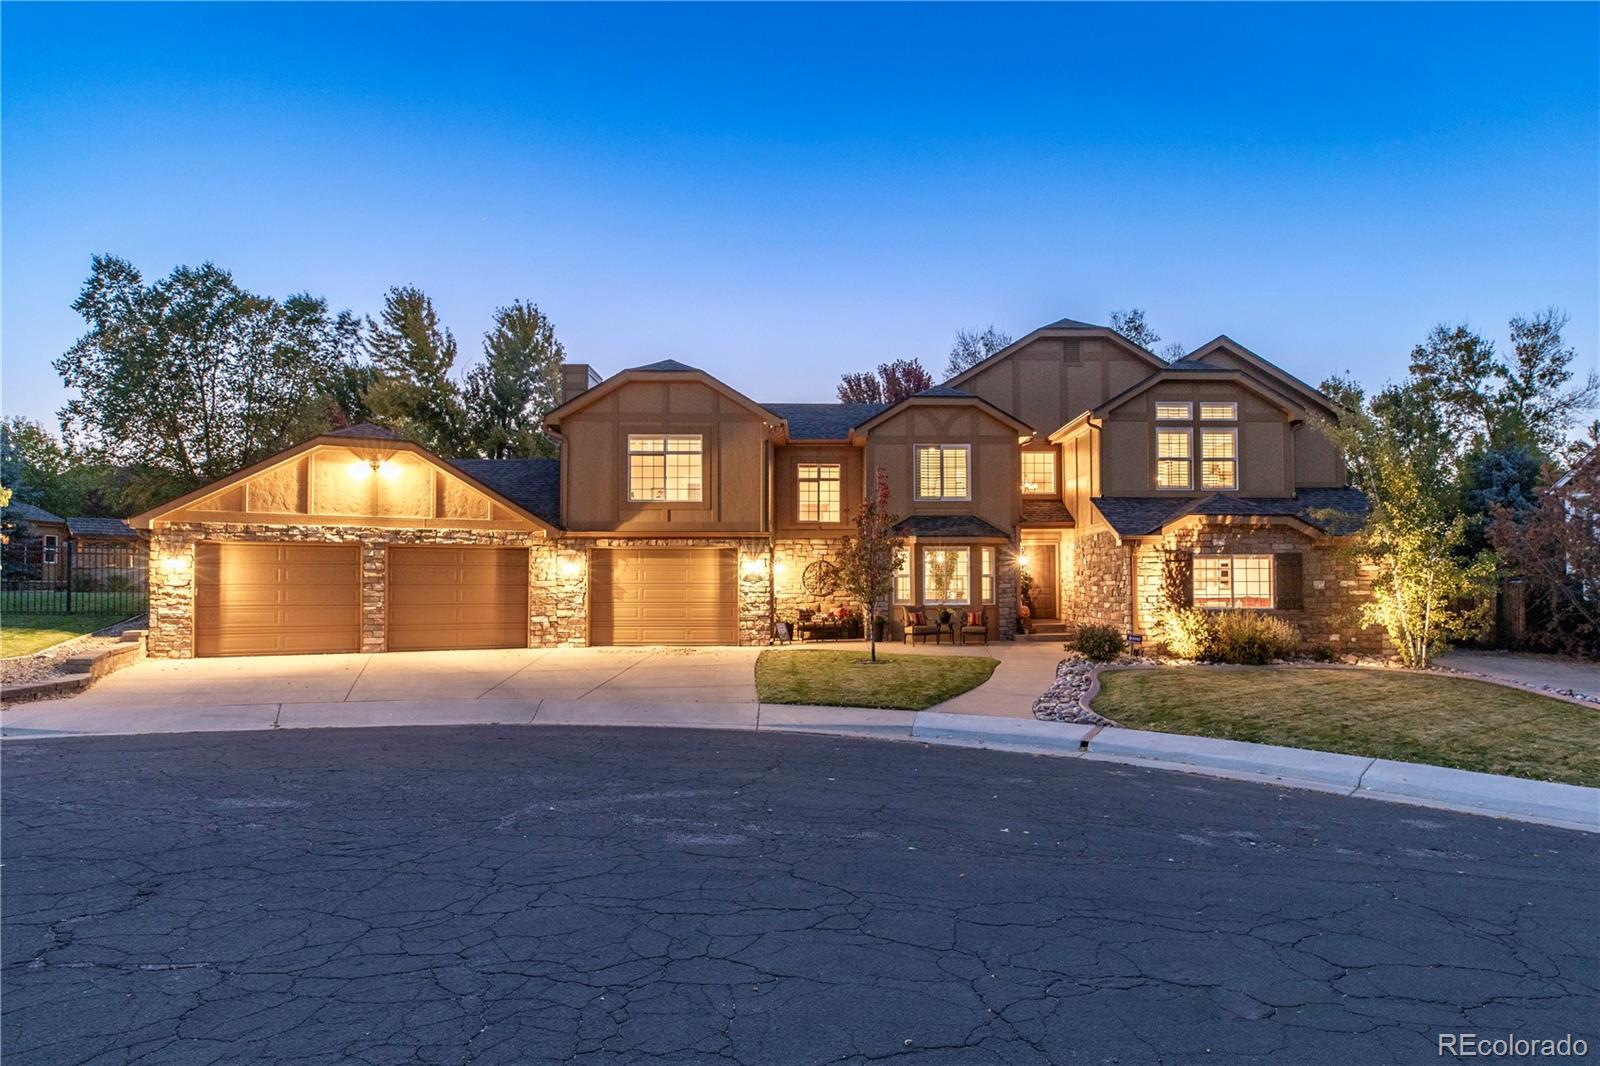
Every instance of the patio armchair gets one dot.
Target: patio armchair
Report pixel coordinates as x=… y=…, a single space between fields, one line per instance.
x=918 y=624
x=974 y=625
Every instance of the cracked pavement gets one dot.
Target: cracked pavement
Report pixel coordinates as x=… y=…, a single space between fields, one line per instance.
x=505 y=895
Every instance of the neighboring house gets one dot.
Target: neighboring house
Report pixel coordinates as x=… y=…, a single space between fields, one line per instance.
x=41 y=533
x=38 y=545
x=683 y=512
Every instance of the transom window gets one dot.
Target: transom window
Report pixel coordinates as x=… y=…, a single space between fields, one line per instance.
x=1173 y=458
x=665 y=468
x=1233 y=581
x=1219 y=458
x=1039 y=473
x=945 y=575
x=988 y=574
x=1172 y=411
x=1219 y=412
x=819 y=492
x=942 y=471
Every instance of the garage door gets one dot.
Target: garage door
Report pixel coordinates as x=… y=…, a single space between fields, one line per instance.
x=664 y=596
x=277 y=599
x=458 y=598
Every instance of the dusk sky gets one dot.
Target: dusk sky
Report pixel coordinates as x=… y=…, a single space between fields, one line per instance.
x=781 y=194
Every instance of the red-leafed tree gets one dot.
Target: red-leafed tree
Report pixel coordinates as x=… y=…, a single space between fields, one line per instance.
x=1555 y=548
x=867 y=561
x=890 y=383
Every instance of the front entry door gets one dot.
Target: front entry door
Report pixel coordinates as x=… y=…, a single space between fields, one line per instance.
x=1042 y=565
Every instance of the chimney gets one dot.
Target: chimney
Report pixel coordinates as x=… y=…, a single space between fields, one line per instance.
x=577 y=378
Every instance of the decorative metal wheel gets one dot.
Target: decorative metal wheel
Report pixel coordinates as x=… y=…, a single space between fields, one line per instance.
x=821 y=578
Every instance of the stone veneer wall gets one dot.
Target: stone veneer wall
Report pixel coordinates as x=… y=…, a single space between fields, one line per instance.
x=755 y=589
x=790 y=557
x=1335 y=585
x=1097 y=579
x=556 y=599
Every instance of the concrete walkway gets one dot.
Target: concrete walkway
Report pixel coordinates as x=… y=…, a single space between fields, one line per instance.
x=1536 y=671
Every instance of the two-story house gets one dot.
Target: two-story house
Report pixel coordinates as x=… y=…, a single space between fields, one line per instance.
x=681 y=511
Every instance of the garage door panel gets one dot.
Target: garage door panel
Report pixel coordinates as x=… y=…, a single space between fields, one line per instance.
x=277 y=599
x=664 y=596
x=466 y=597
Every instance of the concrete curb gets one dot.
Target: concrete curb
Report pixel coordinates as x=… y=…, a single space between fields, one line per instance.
x=1542 y=802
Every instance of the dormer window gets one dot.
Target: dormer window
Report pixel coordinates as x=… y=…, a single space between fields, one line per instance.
x=942 y=471
x=665 y=468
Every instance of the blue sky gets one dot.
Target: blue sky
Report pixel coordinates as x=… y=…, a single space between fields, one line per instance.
x=780 y=194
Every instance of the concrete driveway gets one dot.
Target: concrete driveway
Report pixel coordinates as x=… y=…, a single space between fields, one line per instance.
x=689 y=685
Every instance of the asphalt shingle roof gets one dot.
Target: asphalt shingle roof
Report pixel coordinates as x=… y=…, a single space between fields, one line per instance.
x=534 y=484
x=1335 y=511
x=366 y=431
x=1045 y=512
x=1073 y=323
x=18 y=511
x=946 y=525
x=666 y=366
x=90 y=526
x=823 y=421
x=947 y=390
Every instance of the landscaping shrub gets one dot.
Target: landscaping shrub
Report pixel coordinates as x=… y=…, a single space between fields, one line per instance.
x=1187 y=632
x=1321 y=653
x=1252 y=638
x=1099 y=644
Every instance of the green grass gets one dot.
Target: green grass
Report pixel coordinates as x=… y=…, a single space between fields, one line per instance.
x=24 y=634
x=844 y=679
x=1446 y=721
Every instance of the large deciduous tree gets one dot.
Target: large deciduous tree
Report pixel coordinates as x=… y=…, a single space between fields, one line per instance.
x=412 y=356
x=516 y=385
x=891 y=383
x=191 y=377
x=867 y=560
x=973 y=346
x=1554 y=546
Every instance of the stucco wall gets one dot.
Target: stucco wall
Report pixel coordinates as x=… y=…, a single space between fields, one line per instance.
x=995 y=469
x=1055 y=379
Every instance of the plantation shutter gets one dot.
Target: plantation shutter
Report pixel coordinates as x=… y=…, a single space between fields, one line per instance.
x=1288 y=575
x=1181 y=577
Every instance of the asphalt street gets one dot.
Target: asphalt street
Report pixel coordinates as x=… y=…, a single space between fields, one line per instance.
x=528 y=895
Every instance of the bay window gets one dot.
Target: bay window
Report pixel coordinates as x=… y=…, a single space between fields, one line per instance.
x=946 y=574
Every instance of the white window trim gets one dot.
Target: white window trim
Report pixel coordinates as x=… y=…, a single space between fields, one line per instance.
x=1155 y=474
x=1200 y=459
x=1231 y=416
x=1188 y=411
x=906 y=572
x=1055 y=473
x=52 y=549
x=1232 y=604
x=916 y=473
x=838 y=502
x=663 y=438
x=922 y=570
x=986 y=575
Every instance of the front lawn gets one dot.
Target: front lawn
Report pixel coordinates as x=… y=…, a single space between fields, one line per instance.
x=844 y=679
x=1428 y=718
x=24 y=634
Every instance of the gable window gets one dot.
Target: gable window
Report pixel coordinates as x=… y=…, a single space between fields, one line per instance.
x=1233 y=581
x=1169 y=411
x=665 y=468
x=52 y=547
x=1219 y=412
x=945 y=575
x=1173 y=458
x=819 y=492
x=987 y=590
x=1219 y=458
x=942 y=471
x=1039 y=473
x=902 y=579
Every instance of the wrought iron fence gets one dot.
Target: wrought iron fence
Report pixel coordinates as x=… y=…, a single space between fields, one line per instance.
x=46 y=576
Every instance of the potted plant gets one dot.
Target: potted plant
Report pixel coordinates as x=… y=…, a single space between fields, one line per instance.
x=1025 y=599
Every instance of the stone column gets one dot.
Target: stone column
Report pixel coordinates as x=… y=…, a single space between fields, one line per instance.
x=374 y=594
x=172 y=579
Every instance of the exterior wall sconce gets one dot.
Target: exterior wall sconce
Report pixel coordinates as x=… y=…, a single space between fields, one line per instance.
x=754 y=566
x=570 y=567
x=176 y=567
x=1022 y=560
